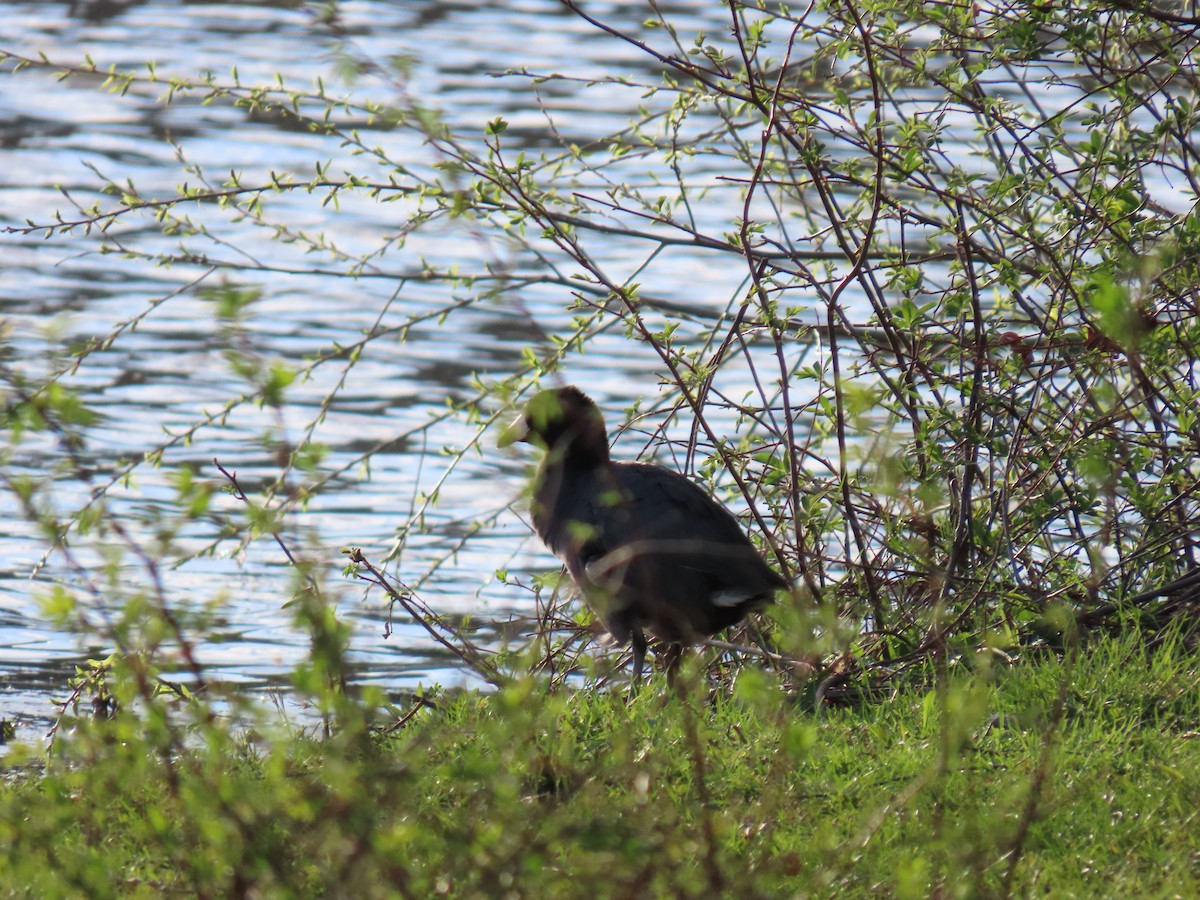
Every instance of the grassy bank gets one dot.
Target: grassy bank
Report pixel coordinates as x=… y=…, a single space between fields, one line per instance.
x=1073 y=777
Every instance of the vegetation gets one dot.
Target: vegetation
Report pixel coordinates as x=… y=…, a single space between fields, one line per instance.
x=955 y=393
x=1070 y=780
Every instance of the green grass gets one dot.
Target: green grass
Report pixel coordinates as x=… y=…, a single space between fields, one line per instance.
x=1087 y=775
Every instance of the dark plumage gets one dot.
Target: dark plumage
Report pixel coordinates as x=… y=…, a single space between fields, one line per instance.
x=649 y=549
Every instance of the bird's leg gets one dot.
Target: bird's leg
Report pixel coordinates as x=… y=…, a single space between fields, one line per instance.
x=638 y=639
x=671 y=657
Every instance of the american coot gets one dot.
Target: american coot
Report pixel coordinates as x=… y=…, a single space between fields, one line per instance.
x=649 y=549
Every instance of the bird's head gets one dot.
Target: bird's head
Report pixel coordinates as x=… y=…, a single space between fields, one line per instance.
x=561 y=420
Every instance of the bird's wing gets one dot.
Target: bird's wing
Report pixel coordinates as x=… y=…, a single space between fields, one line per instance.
x=671 y=516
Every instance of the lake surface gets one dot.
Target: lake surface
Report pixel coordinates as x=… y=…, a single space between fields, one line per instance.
x=167 y=371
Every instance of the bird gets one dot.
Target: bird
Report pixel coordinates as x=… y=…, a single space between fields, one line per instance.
x=648 y=548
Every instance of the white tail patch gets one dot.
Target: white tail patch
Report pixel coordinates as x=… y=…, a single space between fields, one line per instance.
x=733 y=596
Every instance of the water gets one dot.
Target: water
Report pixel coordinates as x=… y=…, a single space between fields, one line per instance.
x=163 y=381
